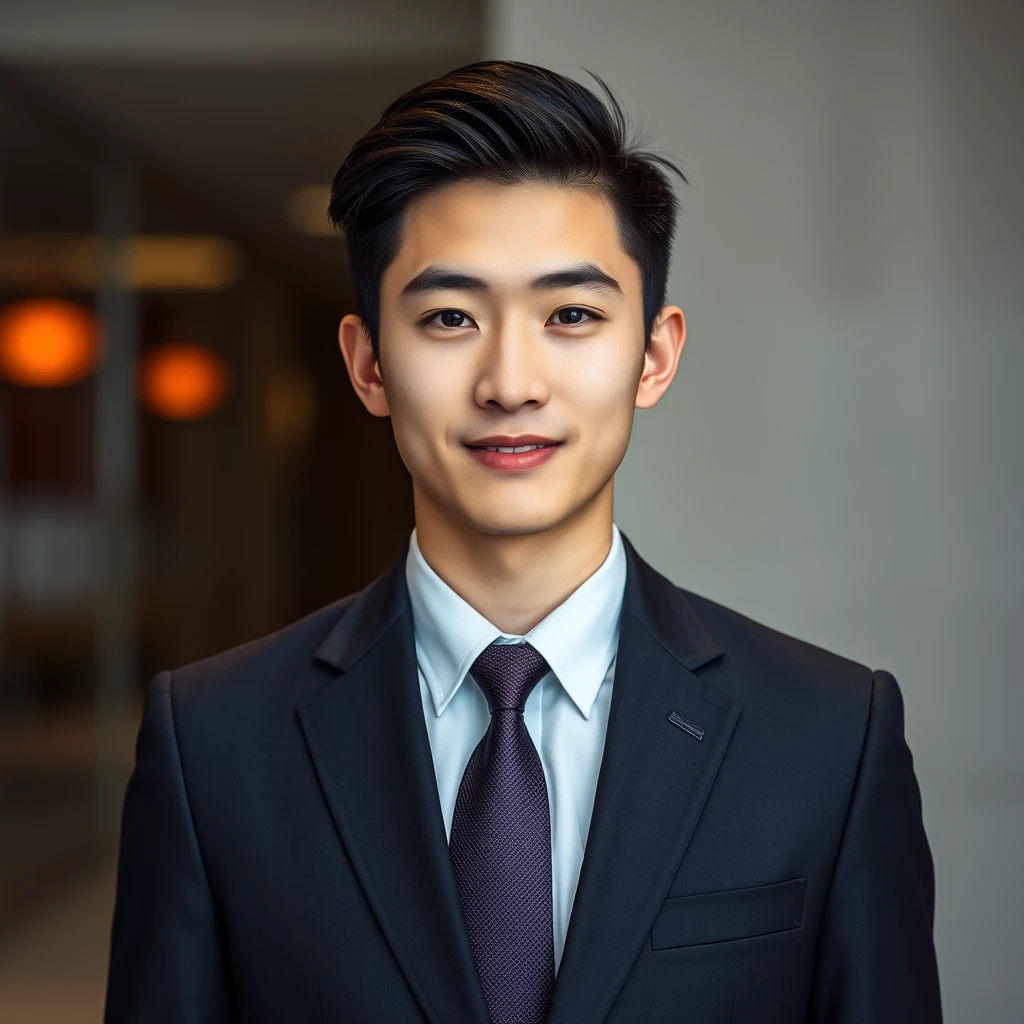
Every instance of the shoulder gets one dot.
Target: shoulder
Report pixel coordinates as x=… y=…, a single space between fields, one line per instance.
x=268 y=669
x=798 y=699
x=761 y=663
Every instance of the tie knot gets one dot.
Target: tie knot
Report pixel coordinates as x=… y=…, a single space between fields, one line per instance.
x=507 y=673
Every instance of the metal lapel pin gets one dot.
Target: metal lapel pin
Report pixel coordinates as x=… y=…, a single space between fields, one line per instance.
x=685 y=724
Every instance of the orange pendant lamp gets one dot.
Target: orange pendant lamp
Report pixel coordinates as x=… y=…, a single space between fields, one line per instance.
x=183 y=381
x=47 y=343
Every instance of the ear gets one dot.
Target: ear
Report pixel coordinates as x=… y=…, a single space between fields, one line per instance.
x=662 y=357
x=363 y=368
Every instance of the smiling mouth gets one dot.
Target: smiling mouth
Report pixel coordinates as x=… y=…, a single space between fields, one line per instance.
x=521 y=448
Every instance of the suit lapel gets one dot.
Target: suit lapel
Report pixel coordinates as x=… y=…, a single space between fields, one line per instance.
x=653 y=783
x=368 y=741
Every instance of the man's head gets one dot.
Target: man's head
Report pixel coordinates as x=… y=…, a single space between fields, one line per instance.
x=509 y=251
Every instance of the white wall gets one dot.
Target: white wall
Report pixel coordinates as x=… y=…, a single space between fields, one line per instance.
x=840 y=455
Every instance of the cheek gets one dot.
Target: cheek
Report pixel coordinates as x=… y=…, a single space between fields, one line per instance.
x=422 y=401
x=601 y=390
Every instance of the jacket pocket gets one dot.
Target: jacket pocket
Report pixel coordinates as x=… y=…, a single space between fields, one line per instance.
x=729 y=914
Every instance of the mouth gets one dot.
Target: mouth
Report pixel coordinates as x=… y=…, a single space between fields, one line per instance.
x=513 y=449
x=514 y=457
x=512 y=443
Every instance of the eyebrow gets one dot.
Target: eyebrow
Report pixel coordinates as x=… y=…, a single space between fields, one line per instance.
x=582 y=275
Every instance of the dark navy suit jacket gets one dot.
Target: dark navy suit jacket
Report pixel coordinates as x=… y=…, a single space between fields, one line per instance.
x=756 y=856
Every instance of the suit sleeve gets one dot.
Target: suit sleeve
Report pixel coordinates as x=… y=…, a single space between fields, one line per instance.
x=876 y=959
x=167 y=960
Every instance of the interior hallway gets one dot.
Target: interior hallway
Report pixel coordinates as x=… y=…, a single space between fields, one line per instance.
x=53 y=961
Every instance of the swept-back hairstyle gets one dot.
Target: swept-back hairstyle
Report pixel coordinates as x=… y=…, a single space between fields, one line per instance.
x=508 y=122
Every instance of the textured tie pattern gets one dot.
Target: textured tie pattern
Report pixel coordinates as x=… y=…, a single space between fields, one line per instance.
x=500 y=844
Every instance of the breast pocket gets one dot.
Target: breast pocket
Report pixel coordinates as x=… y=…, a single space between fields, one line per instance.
x=729 y=914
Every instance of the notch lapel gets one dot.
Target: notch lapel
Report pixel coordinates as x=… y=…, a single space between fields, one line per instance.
x=654 y=780
x=368 y=741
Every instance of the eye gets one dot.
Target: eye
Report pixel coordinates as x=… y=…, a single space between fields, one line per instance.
x=452 y=319
x=574 y=316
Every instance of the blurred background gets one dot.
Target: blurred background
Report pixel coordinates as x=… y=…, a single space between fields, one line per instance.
x=840 y=455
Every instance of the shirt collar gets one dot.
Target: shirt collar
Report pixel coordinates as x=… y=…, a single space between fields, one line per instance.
x=578 y=639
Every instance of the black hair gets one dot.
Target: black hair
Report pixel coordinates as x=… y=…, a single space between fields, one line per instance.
x=509 y=122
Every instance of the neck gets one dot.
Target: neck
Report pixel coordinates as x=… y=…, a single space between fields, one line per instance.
x=515 y=579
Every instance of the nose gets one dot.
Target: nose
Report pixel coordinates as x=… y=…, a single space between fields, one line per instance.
x=513 y=368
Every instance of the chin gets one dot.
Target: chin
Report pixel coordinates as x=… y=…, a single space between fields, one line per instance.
x=509 y=523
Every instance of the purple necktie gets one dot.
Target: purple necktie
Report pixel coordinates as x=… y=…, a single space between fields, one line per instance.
x=500 y=844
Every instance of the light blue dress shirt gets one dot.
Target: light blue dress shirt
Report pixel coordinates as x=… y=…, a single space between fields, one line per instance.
x=566 y=712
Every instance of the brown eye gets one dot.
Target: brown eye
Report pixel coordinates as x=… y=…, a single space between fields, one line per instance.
x=449 y=320
x=452 y=318
x=572 y=316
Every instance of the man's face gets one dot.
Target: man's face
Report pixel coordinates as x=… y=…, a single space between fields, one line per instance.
x=511 y=310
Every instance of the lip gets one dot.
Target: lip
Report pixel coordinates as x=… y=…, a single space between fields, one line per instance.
x=508 y=441
x=515 y=461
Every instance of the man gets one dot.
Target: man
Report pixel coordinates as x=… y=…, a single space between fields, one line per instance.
x=521 y=776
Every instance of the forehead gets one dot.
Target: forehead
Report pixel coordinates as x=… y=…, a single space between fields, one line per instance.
x=510 y=233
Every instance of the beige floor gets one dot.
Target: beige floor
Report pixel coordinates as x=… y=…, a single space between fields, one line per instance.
x=53 y=964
